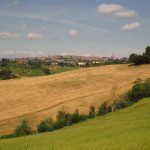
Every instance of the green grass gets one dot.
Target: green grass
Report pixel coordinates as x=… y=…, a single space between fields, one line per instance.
x=24 y=70
x=63 y=69
x=126 y=129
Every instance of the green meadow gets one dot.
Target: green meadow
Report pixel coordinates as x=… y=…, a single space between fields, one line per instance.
x=126 y=129
x=63 y=69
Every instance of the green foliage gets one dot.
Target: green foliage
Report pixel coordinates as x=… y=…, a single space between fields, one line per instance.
x=92 y=112
x=140 y=90
x=140 y=59
x=132 y=57
x=122 y=103
x=23 y=129
x=46 y=71
x=76 y=116
x=4 y=62
x=147 y=50
x=6 y=74
x=8 y=136
x=45 y=125
x=35 y=64
x=61 y=120
x=102 y=110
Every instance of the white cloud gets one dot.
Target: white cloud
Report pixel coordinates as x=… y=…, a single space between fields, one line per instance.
x=108 y=8
x=8 y=35
x=126 y=13
x=116 y=10
x=73 y=32
x=132 y=26
x=35 y=36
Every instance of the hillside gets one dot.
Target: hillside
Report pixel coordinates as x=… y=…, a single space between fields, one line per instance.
x=37 y=98
x=125 y=129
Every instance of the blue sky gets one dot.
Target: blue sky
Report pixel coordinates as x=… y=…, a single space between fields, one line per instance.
x=81 y=27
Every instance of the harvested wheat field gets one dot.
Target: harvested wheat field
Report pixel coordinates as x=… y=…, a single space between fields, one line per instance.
x=36 y=98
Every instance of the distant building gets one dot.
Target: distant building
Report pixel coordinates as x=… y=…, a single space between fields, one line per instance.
x=81 y=63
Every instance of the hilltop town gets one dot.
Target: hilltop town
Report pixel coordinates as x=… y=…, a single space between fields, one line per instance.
x=73 y=60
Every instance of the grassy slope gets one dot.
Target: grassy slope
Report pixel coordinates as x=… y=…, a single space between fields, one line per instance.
x=37 y=98
x=127 y=129
x=63 y=69
x=22 y=70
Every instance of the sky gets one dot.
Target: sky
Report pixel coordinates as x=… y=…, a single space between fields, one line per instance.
x=75 y=27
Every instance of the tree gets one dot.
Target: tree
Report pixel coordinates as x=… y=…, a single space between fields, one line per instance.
x=23 y=129
x=46 y=71
x=45 y=125
x=76 y=117
x=132 y=57
x=147 y=50
x=92 y=112
x=102 y=110
x=141 y=59
x=60 y=120
x=6 y=74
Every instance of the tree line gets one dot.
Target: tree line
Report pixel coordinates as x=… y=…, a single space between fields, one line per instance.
x=140 y=59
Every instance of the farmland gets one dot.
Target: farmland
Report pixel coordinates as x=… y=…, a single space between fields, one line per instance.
x=125 y=129
x=37 y=98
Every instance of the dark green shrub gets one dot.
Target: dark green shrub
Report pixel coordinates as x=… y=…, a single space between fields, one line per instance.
x=60 y=120
x=6 y=74
x=83 y=117
x=46 y=71
x=45 y=125
x=122 y=103
x=23 y=129
x=76 y=116
x=141 y=59
x=102 y=110
x=7 y=136
x=92 y=112
x=140 y=90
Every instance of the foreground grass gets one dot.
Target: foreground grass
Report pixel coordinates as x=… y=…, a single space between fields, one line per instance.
x=127 y=129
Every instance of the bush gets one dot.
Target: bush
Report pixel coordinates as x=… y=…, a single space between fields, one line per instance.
x=6 y=74
x=102 y=110
x=45 y=125
x=122 y=103
x=61 y=120
x=23 y=129
x=92 y=112
x=46 y=71
x=76 y=117
x=140 y=90
x=8 y=136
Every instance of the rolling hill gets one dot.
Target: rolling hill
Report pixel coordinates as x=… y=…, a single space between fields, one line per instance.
x=37 y=98
x=126 y=129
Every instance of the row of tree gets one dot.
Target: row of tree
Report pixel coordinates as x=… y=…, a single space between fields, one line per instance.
x=141 y=59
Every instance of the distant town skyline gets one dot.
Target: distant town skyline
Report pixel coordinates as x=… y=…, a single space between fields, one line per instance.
x=80 y=27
